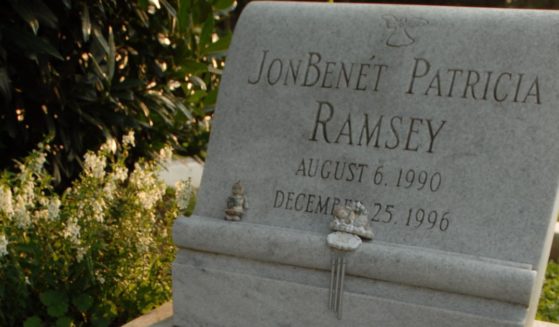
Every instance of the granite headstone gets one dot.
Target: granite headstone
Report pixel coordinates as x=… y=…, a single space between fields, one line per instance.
x=443 y=122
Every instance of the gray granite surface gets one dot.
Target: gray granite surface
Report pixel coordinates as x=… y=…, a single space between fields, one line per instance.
x=441 y=121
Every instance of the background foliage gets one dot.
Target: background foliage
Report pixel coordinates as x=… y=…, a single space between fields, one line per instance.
x=83 y=71
x=548 y=309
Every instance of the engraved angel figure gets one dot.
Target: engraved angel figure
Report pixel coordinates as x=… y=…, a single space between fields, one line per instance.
x=399 y=36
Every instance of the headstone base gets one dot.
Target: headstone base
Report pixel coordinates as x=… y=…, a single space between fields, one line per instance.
x=222 y=288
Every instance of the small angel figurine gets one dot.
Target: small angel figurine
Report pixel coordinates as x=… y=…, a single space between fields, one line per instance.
x=352 y=219
x=236 y=203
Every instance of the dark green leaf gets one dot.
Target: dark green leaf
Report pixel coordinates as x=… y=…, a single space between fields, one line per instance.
x=52 y=297
x=101 y=39
x=98 y=70
x=185 y=111
x=143 y=17
x=223 y=4
x=201 y=11
x=197 y=96
x=143 y=4
x=207 y=30
x=192 y=67
x=169 y=8
x=32 y=44
x=25 y=11
x=33 y=322
x=111 y=55
x=218 y=47
x=211 y=98
x=183 y=17
x=86 y=23
x=5 y=85
x=44 y=14
x=56 y=303
x=63 y=322
x=123 y=95
x=199 y=82
x=83 y=302
x=100 y=322
x=128 y=83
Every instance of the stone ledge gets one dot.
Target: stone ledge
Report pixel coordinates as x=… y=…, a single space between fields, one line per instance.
x=159 y=317
x=163 y=317
x=413 y=266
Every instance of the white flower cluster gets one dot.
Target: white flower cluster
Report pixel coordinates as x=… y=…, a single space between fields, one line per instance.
x=109 y=146
x=144 y=243
x=95 y=165
x=72 y=231
x=166 y=153
x=54 y=208
x=6 y=201
x=150 y=188
x=80 y=252
x=129 y=139
x=98 y=208
x=109 y=189
x=183 y=193
x=27 y=190
x=38 y=162
x=21 y=215
x=120 y=173
x=3 y=245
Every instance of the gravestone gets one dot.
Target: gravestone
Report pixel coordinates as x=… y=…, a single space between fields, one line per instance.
x=443 y=122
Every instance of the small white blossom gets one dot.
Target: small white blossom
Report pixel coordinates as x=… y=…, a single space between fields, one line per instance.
x=43 y=200
x=27 y=191
x=183 y=193
x=38 y=162
x=27 y=281
x=95 y=165
x=72 y=231
x=120 y=173
x=101 y=279
x=3 y=245
x=80 y=252
x=149 y=198
x=41 y=214
x=21 y=215
x=6 y=201
x=109 y=146
x=150 y=189
x=54 y=208
x=129 y=139
x=109 y=189
x=98 y=207
x=166 y=153
x=155 y=3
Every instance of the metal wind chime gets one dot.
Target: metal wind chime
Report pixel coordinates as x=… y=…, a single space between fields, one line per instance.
x=350 y=224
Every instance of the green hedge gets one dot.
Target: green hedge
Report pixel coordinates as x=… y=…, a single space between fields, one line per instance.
x=82 y=71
